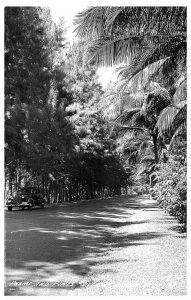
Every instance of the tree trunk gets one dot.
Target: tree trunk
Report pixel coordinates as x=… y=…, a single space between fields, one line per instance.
x=155 y=136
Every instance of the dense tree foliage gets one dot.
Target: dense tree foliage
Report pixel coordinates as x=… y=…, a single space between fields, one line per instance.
x=32 y=128
x=55 y=136
x=170 y=189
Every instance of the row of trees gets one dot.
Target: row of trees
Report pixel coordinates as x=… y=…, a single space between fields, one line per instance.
x=55 y=136
x=147 y=105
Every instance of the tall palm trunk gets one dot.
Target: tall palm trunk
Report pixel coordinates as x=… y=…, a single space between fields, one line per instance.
x=155 y=138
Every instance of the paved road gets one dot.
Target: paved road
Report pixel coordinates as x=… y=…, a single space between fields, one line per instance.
x=117 y=246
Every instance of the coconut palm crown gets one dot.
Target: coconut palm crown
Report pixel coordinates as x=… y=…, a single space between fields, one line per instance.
x=146 y=44
x=135 y=36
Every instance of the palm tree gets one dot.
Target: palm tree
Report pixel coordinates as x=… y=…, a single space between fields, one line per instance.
x=138 y=153
x=146 y=44
x=149 y=42
x=139 y=37
x=138 y=116
x=172 y=119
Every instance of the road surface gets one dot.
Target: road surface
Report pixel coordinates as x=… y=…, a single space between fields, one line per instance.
x=116 y=246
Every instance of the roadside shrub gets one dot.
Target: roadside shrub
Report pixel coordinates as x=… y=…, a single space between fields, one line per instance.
x=170 y=189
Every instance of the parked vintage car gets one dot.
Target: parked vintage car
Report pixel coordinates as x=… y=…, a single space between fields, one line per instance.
x=26 y=197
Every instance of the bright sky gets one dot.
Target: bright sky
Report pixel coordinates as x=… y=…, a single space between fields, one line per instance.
x=69 y=12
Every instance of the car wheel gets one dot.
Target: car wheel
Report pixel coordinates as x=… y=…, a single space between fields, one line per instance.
x=10 y=208
x=31 y=203
x=30 y=206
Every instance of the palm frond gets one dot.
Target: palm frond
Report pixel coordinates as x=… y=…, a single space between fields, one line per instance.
x=181 y=91
x=132 y=128
x=172 y=117
x=122 y=89
x=181 y=104
x=147 y=159
x=179 y=134
x=146 y=165
x=112 y=14
x=157 y=100
x=122 y=130
x=152 y=59
x=140 y=172
x=142 y=78
x=132 y=143
x=109 y=52
x=129 y=128
x=181 y=117
x=138 y=64
x=114 y=104
x=143 y=35
x=127 y=115
x=123 y=102
x=138 y=140
x=91 y=22
x=165 y=119
x=133 y=19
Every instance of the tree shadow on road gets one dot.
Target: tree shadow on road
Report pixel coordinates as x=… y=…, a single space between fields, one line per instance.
x=65 y=243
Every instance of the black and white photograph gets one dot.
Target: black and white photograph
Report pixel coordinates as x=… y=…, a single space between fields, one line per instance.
x=95 y=148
